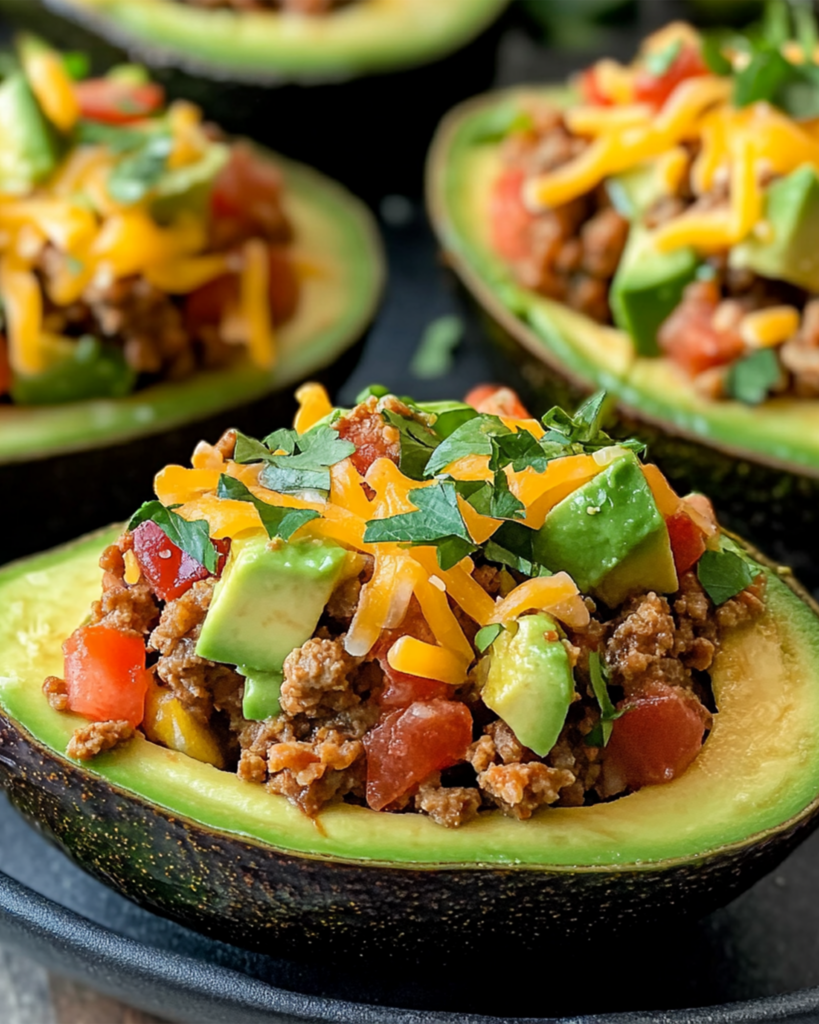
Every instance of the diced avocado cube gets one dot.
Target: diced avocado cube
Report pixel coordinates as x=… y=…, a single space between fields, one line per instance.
x=529 y=684
x=788 y=250
x=633 y=192
x=29 y=147
x=268 y=601
x=648 y=286
x=260 y=699
x=609 y=536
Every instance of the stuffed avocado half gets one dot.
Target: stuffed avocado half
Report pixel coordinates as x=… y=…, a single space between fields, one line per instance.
x=616 y=240
x=406 y=654
x=283 y=42
x=153 y=271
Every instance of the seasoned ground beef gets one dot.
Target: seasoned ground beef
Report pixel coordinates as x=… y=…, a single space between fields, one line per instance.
x=97 y=737
x=123 y=606
x=56 y=693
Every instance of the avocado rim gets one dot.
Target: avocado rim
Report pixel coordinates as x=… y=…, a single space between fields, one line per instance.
x=782 y=434
x=233 y=883
x=253 y=49
x=333 y=229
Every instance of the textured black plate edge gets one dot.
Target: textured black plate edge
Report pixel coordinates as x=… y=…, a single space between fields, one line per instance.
x=189 y=990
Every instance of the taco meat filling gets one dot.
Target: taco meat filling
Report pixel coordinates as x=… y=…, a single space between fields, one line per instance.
x=359 y=653
x=670 y=201
x=137 y=243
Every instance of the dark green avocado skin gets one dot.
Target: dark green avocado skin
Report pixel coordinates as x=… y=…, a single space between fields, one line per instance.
x=74 y=493
x=770 y=506
x=371 y=133
x=252 y=896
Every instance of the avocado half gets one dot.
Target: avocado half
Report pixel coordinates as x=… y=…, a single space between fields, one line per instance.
x=232 y=860
x=368 y=37
x=67 y=458
x=760 y=463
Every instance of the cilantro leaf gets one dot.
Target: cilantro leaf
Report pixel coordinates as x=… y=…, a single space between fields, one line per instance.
x=284 y=438
x=472 y=438
x=581 y=434
x=503 y=504
x=723 y=575
x=750 y=379
x=279 y=522
x=712 y=46
x=659 y=62
x=192 y=537
x=601 y=733
x=511 y=545
x=134 y=176
x=307 y=468
x=520 y=450
x=486 y=636
x=435 y=353
x=248 y=449
x=437 y=521
x=418 y=442
x=118 y=139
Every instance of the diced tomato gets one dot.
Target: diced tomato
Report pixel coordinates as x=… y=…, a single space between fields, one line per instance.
x=105 y=674
x=168 y=569
x=689 y=336
x=403 y=689
x=207 y=304
x=368 y=435
x=508 y=216
x=656 y=89
x=687 y=541
x=248 y=190
x=590 y=87
x=114 y=102
x=658 y=737
x=407 y=745
x=497 y=401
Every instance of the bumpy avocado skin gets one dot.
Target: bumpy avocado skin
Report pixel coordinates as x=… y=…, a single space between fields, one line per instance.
x=252 y=896
x=257 y=896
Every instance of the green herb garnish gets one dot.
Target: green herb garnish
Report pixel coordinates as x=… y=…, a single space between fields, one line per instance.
x=417 y=440
x=279 y=522
x=307 y=468
x=192 y=537
x=134 y=176
x=723 y=575
x=599 y=673
x=486 y=636
x=434 y=356
x=438 y=522
x=750 y=379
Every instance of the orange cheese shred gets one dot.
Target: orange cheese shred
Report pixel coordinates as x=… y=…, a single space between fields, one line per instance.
x=421 y=659
x=314 y=405
x=557 y=594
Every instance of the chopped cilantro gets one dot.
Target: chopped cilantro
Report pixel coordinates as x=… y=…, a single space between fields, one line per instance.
x=503 y=504
x=581 y=434
x=723 y=575
x=374 y=390
x=601 y=733
x=307 y=468
x=750 y=379
x=511 y=545
x=659 y=62
x=434 y=356
x=418 y=442
x=472 y=438
x=485 y=637
x=117 y=139
x=283 y=439
x=248 y=449
x=76 y=64
x=136 y=174
x=279 y=522
x=437 y=521
x=192 y=537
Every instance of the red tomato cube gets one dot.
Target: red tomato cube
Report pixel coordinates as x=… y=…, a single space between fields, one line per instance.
x=105 y=674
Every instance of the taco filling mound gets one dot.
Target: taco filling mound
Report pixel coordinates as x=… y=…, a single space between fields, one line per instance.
x=137 y=243
x=435 y=609
x=678 y=198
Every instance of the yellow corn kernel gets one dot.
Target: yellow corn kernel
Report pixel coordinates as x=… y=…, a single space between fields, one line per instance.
x=417 y=658
x=557 y=594
x=132 y=570
x=53 y=88
x=314 y=405
x=765 y=328
x=169 y=722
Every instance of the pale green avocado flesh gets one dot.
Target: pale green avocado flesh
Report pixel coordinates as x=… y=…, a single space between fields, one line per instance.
x=335 y=240
x=529 y=683
x=365 y=37
x=463 y=165
x=758 y=769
